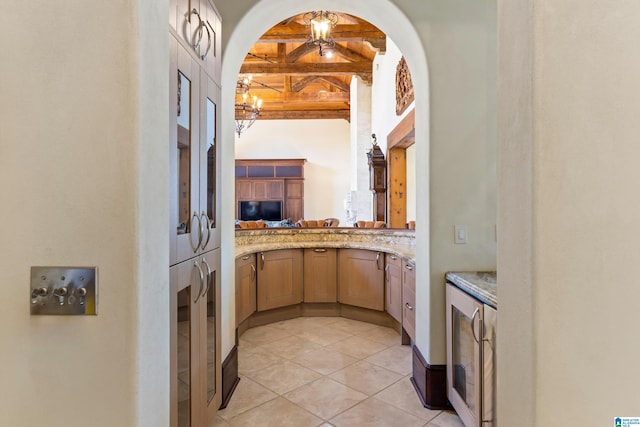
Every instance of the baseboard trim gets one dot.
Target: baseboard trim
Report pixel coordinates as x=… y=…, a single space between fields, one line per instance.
x=230 y=378
x=430 y=382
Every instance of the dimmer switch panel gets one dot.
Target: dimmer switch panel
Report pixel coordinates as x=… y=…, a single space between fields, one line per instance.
x=64 y=290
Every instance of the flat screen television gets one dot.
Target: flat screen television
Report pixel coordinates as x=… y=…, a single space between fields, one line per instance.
x=268 y=210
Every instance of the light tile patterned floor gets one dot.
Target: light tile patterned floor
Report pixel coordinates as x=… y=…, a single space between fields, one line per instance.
x=326 y=371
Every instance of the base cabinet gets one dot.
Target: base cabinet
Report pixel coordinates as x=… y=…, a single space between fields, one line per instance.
x=409 y=299
x=320 y=275
x=361 y=278
x=471 y=342
x=195 y=340
x=393 y=286
x=279 y=278
x=246 y=280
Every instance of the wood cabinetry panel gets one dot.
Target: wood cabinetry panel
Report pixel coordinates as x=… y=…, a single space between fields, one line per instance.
x=245 y=287
x=260 y=190
x=361 y=278
x=243 y=190
x=320 y=275
x=279 y=278
x=393 y=289
x=409 y=299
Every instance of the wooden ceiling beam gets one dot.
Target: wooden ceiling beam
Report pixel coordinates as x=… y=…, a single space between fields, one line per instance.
x=304 y=114
x=304 y=97
x=301 y=69
x=298 y=53
x=301 y=84
x=335 y=82
x=349 y=54
x=300 y=33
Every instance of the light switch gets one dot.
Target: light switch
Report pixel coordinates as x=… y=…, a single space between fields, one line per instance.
x=64 y=290
x=460 y=234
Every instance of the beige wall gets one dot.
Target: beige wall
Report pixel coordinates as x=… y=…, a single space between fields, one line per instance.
x=84 y=182
x=569 y=109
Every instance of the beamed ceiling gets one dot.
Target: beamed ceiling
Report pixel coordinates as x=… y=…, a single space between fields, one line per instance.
x=295 y=82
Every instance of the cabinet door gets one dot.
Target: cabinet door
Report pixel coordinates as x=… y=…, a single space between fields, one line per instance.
x=361 y=278
x=464 y=369
x=245 y=287
x=209 y=323
x=260 y=190
x=294 y=202
x=393 y=283
x=184 y=107
x=243 y=190
x=209 y=164
x=276 y=190
x=320 y=275
x=409 y=299
x=279 y=278
x=186 y=287
x=213 y=40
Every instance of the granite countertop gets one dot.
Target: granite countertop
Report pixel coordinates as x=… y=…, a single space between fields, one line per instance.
x=479 y=284
x=399 y=242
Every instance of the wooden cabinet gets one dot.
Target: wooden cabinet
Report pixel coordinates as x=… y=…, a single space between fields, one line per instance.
x=195 y=340
x=280 y=278
x=294 y=202
x=272 y=179
x=194 y=216
x=320 y=275
x=246 y=275
x=393 y=286
x=361 y=278
x=409 y=299
x=194 y=157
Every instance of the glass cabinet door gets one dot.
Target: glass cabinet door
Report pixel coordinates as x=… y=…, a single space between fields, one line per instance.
x=209 y=164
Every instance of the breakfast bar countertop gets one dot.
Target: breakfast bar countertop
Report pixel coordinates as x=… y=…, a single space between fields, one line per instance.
x=480 y=284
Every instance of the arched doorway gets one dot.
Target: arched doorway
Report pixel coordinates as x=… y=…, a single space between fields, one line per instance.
x=386 y=16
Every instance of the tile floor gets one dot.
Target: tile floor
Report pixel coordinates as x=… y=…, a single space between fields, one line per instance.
x=326 y=371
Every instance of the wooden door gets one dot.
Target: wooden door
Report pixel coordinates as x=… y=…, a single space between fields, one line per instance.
x=320 y=275
x=279 y=278
x=294 y=202
x=361 y=278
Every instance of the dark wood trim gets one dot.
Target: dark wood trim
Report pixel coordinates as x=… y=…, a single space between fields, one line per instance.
x=404 y=134
x=430 y=382
x=230 y=378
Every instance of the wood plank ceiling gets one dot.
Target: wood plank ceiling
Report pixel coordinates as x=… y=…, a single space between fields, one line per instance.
x=295 y=82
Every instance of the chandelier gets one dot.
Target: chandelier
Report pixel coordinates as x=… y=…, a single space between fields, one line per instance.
x=320 y=23
x=247 y=107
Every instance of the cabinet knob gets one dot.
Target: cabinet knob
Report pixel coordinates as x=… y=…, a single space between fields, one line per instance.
x=409 y=306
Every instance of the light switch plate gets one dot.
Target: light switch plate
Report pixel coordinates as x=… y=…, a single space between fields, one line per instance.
x=64 y=291
x=460 y=234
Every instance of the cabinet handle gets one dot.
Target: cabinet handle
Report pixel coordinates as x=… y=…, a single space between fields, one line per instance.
x=253 y=273
x=406 y=304
x=408 y=267
x=196 y=44
x=195 y=247
x=473 y=324
x=206 y=26
x=393 y=257
x=386 y=273
x=205 y=223
x=378 y=260
x=246 y=257
x=261 y=260
x=195 y=265
x=319 y=250
x=204 y=261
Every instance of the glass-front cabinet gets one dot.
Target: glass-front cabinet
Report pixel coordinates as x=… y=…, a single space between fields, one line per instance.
x=194 y=217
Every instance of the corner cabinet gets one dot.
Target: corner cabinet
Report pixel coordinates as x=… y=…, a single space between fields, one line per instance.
x=194 y=217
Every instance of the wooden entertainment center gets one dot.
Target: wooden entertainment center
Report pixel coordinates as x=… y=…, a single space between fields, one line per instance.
x=272 y=180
